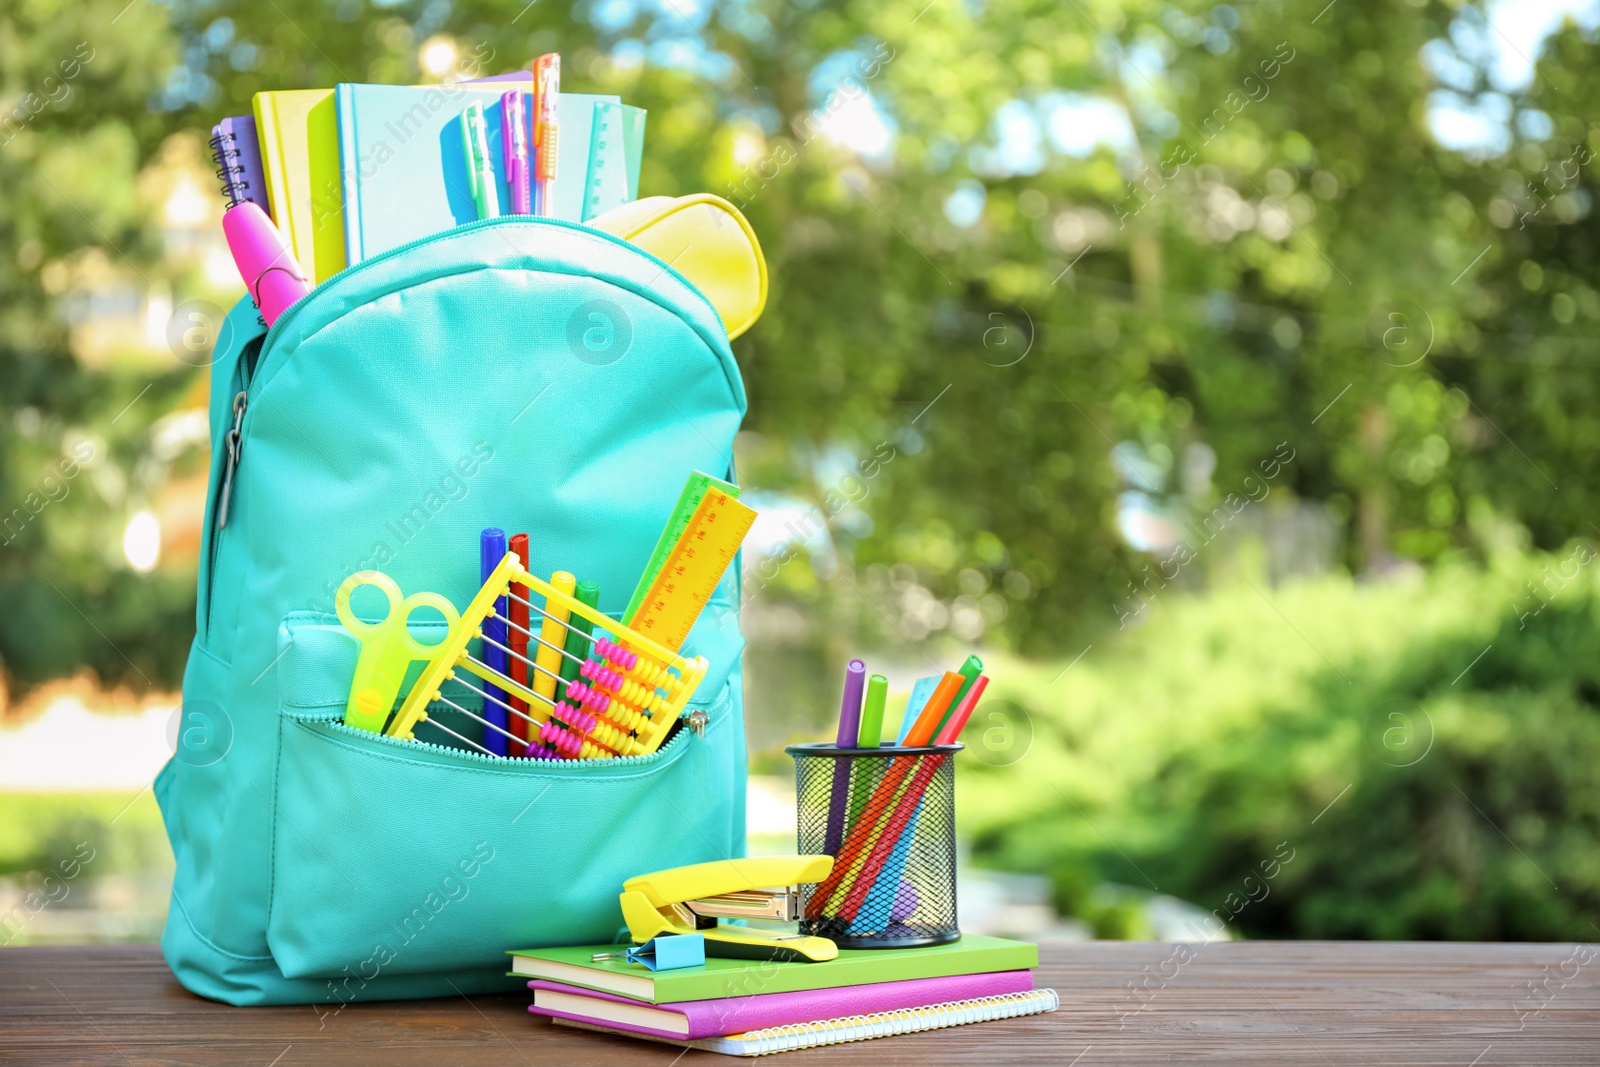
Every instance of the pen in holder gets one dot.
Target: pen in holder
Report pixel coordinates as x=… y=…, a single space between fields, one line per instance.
x=893 y=883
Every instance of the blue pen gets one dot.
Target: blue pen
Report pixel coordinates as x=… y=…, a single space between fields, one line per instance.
x=492 y=549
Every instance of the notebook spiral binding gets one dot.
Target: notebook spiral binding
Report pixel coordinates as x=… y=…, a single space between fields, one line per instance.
x=890 y=1023
x=234 y=185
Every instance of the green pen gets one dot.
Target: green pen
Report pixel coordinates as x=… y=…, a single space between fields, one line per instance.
x=869 y=735
x=970 y=671
x=480 y=167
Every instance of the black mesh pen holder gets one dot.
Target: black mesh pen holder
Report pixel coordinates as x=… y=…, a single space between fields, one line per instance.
x=888 y=818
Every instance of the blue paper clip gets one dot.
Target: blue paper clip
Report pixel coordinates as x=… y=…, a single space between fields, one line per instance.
x=670 y=951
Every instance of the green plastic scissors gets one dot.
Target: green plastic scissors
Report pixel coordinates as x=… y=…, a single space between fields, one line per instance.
x=387 y=647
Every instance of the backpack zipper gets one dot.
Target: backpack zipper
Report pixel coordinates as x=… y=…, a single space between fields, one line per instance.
x=466 y=227
x=233 y=441
x=478 y=758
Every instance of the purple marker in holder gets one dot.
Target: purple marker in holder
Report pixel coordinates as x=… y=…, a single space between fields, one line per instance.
x=855 y=679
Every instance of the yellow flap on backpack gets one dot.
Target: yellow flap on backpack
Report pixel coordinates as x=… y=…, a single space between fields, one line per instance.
x=707 y=240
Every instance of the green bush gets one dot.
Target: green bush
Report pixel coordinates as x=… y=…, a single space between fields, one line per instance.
x=1328 y=759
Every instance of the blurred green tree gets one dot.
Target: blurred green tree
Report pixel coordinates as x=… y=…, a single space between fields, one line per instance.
x=1004 y=239
x=78 y=126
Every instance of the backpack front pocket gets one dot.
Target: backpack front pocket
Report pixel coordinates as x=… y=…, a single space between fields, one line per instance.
x=402 y=857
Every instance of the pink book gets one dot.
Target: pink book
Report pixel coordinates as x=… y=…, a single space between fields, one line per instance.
x=693 y=1019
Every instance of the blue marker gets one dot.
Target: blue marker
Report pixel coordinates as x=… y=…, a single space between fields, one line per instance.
x=495 y=657
x=920 y=692
x=892 y=898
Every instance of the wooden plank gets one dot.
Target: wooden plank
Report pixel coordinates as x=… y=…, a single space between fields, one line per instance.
x=1246 y=1003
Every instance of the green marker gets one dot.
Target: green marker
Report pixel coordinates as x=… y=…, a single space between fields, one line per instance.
x=970 y=671
x=872 y=712
x=588 y=594
x=868 y=736
x=694 y=491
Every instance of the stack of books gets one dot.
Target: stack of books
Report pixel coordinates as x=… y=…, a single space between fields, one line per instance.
x=752 y=1008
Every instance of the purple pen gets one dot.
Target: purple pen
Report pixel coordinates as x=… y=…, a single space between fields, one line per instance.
x=855 y=679
x=514 y=144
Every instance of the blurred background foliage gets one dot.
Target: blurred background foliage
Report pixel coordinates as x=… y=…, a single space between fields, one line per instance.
x=1389 y=790
x=1084 y=274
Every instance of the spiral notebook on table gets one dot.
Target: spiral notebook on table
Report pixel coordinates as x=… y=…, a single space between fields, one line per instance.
x=854 y=1027
x=691 y=1020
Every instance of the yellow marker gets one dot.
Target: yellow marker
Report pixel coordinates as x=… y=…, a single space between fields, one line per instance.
x=693 y=569
x=554 y=635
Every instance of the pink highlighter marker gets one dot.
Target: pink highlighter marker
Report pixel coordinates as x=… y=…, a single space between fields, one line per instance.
x=270 y=272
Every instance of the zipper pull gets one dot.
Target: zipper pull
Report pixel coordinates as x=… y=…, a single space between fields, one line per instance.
x=232 y=440
x=697 y=721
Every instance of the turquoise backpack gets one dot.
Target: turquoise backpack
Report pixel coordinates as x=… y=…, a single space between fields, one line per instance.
x=522 y=373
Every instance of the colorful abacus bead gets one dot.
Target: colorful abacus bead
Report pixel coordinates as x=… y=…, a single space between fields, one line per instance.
x=637 y=696
x=591 y=699
x=610 y=650
x=645 y=671
x=603 y=731
x=650 y=673
x=571 y=745
x=621 y=717
x=620 y=687
x=597 y=672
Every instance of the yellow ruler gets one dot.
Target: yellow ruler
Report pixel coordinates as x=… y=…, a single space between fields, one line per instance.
x=693 y=568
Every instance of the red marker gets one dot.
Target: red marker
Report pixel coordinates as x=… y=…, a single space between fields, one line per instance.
x=518 y=611
x=958 y=718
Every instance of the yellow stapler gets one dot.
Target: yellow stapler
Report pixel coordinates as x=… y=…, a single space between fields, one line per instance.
x=686 y=900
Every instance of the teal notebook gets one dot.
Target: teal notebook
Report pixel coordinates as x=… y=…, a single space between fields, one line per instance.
x=401 y=162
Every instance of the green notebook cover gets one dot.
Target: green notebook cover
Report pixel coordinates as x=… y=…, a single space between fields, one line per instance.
x=973 y=954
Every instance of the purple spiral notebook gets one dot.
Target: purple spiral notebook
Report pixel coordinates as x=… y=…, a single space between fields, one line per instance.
x=236 y=151
x=693 y=1019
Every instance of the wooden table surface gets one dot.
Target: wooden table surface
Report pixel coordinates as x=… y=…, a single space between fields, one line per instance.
x=1305 y=1003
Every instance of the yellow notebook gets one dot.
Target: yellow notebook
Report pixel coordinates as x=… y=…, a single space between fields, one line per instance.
x=299 y=131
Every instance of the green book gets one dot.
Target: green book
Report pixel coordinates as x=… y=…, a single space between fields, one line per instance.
x=973 y=954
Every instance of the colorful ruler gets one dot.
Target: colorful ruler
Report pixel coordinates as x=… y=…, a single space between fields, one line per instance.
x=694 y=566
x=694 y=491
